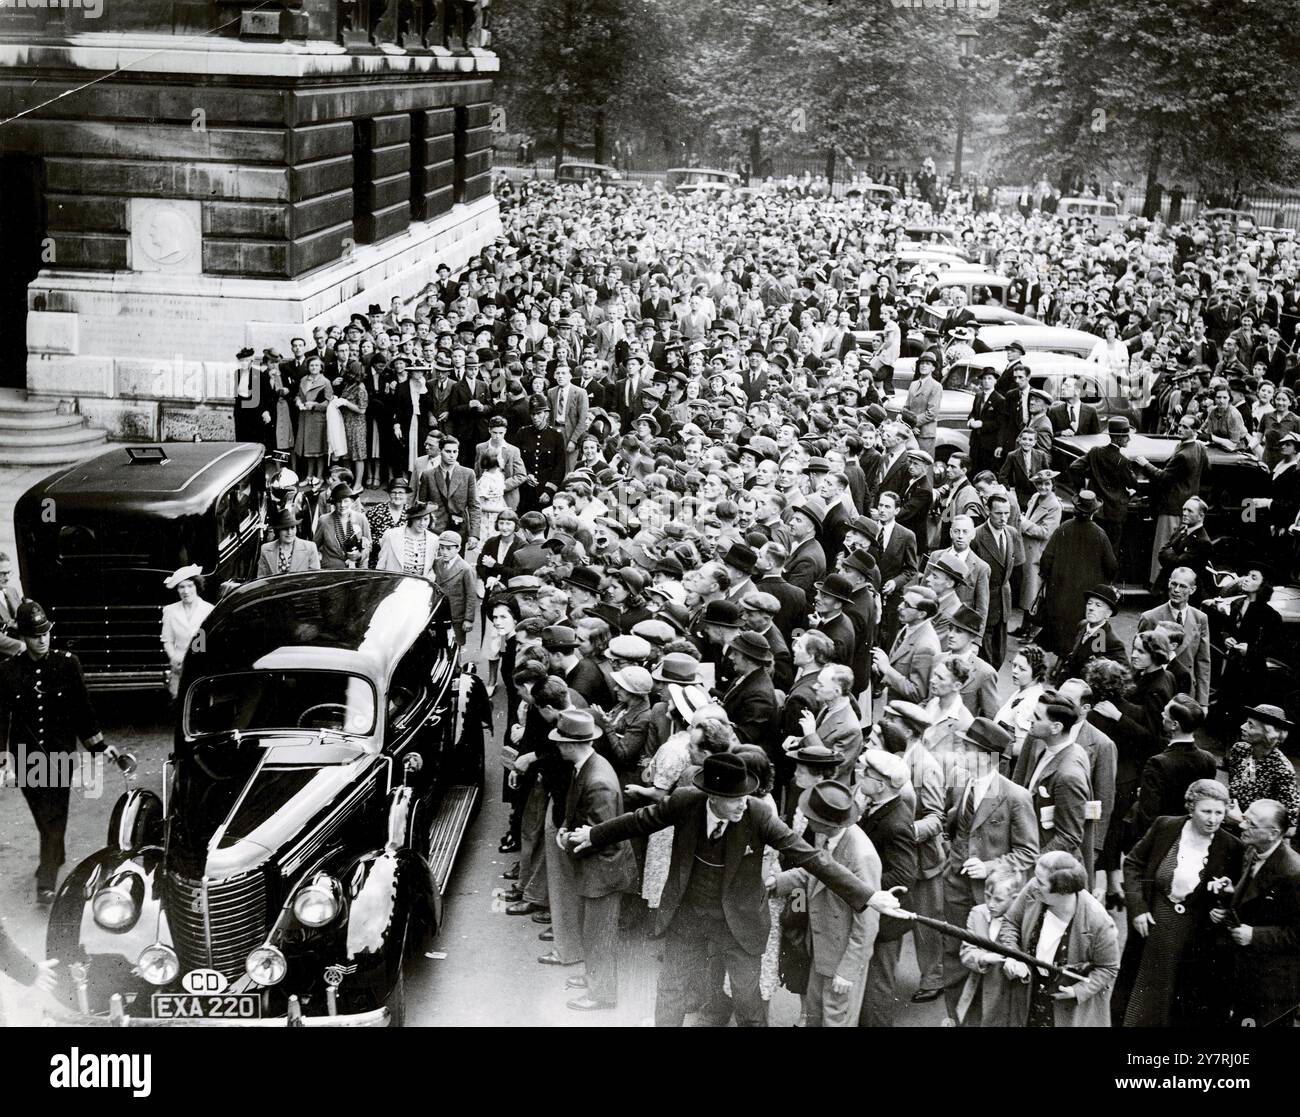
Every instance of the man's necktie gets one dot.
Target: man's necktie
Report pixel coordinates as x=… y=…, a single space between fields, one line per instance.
x=716 y=832
x=1247 y=871
x=967 y=811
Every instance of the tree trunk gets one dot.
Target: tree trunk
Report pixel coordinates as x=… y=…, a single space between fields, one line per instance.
x=598 y=140
x=830 y=167
x=559 y=139
x=755 y=149
x=1151 y=204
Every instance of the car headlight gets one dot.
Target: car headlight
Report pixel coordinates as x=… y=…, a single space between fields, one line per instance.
x=116 y=906
x=158 y=964
x=266 y=965
x=318 y=902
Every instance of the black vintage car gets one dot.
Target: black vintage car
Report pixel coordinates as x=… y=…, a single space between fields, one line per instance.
x=328 y=761
x=96 y=540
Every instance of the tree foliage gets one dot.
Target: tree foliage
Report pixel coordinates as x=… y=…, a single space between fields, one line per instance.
x=1196 y=89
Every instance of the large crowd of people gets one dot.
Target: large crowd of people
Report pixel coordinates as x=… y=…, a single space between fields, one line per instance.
x=788 y=675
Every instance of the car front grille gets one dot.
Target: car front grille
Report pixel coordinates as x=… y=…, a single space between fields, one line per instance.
x=215 y=924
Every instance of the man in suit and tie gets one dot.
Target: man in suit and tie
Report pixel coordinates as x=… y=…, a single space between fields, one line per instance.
x=770 y=571
x=512 y=461
x=594 y=796
x=916 y=497
x=295 y=368
x=1194 y=650
x=452 y=491
x=1013 y=385
x=287 y=553
x=833 y=595
x=1272 y=354
x=836 y=725
x=1094 y=636
x=468 y=401
x=1263 y=922
x=892 y=470
x=1022 y=463
x=990 y=824
x=1168 y=774
x=569 y=406
x=985 y=423
x=626 y=393
x=806 y=565
x=715 y=896
x=998 y=544
x=957 y=496
x=979 y=693
x=1058 y=780
x=1107 y=472
x=894 y=548
x=841 y=939
x=1190 y=546
x=1071 y=415
x=904 y=670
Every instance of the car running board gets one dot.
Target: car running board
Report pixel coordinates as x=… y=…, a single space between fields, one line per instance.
x=448 y=831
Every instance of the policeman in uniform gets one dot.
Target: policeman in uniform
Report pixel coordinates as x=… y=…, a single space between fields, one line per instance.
x=543 y=450
x=44 y=707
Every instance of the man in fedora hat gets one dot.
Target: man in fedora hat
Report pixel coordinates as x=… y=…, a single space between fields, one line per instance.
x=806 y=564
x=1094 y=636
x=715 y=896
x=960 y=639
x=904 y=670
x=944 y=574
x=583 y=675
x=1076 y=558
x=750 y=701
x=287 y=553
x=1110 y=475
x=594 y=796
x=840 y=939
x=833 y=594
x=990 y=824
x=45 y=710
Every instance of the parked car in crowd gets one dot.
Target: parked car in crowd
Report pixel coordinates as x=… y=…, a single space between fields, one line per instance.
x=1036 y=339
x=1099 y=212
x=685 y=179
x=328 y=759
x=96 y=540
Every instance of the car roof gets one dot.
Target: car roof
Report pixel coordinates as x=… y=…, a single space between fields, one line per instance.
x=1039 y=364
x=1160 y=448
x=583 y=163
x=193 y=475
x=358 y=621
x=701 y=171
x=999 y=337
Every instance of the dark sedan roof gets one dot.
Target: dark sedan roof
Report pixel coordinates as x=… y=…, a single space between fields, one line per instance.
x=1158 y=449
x=359 y=621
x=192 y=477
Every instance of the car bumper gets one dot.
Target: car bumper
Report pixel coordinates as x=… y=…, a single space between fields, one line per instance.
x=376 y=1018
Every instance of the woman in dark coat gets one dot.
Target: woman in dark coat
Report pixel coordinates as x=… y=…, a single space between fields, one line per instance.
x=1250 y=635
x=1077 y=557
x=1133 y=722
x=1173 y=969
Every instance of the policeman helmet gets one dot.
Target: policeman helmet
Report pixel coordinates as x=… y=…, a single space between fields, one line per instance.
x=31 y=620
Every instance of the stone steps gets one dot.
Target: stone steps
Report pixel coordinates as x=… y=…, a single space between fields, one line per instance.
x=33 y=432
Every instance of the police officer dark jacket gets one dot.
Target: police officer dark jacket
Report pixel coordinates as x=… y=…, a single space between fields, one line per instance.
x=44 y=703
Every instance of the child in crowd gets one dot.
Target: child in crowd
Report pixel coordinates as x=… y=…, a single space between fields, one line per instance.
x=985 y=1000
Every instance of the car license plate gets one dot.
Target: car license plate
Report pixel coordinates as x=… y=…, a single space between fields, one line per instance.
x=226 y=1006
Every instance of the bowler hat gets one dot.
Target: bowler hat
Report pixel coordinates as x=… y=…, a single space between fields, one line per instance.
x=725 y=614
x=837 y=586
x=987 y=735
x=585 y=578
x=829 y=804
x=724 y=775
x=574 y=725
x=1118 y=424
x=741 y=557
x=31 y=619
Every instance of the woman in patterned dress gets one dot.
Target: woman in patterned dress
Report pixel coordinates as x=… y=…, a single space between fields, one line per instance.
x=390 y=515
x=353 y=401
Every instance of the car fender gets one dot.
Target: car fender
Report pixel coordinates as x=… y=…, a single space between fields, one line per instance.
x=136 y=821
x=75 y=938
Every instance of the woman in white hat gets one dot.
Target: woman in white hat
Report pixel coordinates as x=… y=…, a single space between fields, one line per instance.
x=181 y=620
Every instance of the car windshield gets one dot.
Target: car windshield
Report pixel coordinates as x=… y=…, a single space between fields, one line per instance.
x=963 y=378
x=263 y=700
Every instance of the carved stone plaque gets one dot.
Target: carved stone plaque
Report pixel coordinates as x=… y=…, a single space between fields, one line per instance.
x=166 y=236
